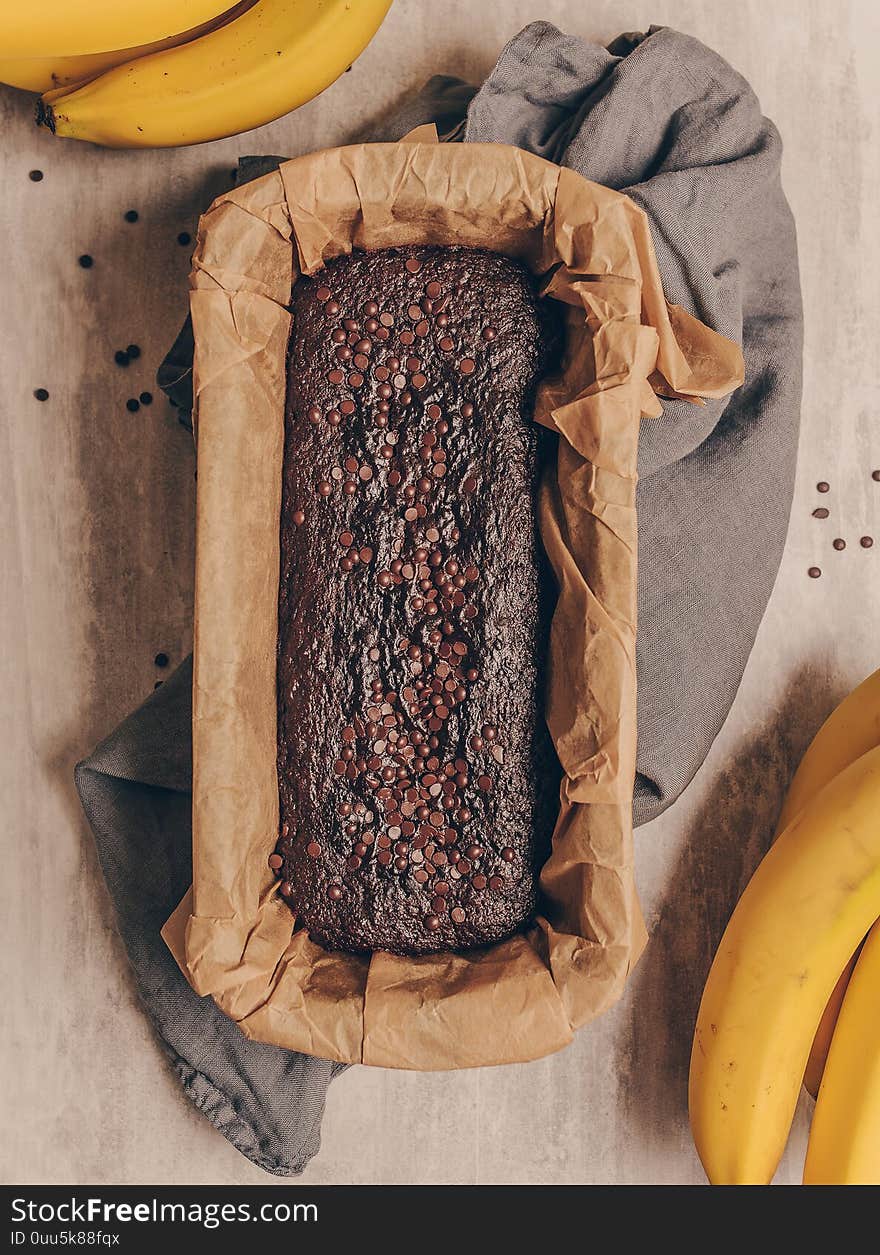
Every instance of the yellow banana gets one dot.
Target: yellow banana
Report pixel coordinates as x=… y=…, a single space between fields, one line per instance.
x=811 y=900
x=275 y=57
x=825 y=1032
x=844 y=1147
x=72 y=27
x=47 y=74
x=848 y=732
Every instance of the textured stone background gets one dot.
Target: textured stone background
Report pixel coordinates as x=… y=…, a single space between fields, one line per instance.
x=96 y=528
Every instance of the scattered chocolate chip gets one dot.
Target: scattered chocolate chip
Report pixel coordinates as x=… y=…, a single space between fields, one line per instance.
x=822 y=486
x=820 y=512
x=433 y=289
x=184 y=238
x=323 y=294
x=133 y=351
x=86 y=261
x=457 y=914
x=814 y=572
x=839 y=543
x=866 y=541
x=413 y=265
x=467 y=365
x=146 y=398
x=132 y=405
x=120 y=357
x=36 y=176
x=161 y=660
x=875 y=475
x=131 y=215
x=275 y=862
x=41 y=394
x=298 y=517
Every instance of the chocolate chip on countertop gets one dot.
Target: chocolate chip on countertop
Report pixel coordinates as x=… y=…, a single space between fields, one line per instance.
x=820 y=512
x=822 y=486
x=36 y=176
x=131 y=215
x=41 y=394
x=184 y=238
x=814 y=572
x=161 y=660
x=839 y=543
x=866 y=542
x=120 y=357
x=132 y=405
x=146 y=398
x=86 y=261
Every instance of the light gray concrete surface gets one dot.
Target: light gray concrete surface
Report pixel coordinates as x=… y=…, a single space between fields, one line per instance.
x=96 y=524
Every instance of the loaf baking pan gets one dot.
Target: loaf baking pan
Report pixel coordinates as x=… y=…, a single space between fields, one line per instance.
x=590 y=249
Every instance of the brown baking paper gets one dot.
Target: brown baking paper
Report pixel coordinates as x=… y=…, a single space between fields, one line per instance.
x=233 y=936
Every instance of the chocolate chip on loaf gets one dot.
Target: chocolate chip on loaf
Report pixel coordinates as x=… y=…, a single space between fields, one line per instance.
x=418 y=784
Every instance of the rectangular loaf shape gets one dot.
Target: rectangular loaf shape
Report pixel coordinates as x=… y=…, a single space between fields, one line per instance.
x=418 y=784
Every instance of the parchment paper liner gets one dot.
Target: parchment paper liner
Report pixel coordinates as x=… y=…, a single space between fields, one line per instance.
x=523 y=998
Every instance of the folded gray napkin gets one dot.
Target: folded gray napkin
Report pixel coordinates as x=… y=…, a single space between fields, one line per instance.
x=136 y=791
x=666 y=120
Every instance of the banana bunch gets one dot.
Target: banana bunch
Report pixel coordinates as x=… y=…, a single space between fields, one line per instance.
x=789 y=996
x=162 y=73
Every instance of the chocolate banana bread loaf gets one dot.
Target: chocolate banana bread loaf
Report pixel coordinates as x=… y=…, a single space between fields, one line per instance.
x=418 y=783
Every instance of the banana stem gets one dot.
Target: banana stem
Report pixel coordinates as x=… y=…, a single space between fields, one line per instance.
x=45 y=115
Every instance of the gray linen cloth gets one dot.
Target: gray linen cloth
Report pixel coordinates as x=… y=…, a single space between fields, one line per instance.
x=136 y=791
x=664 y=119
